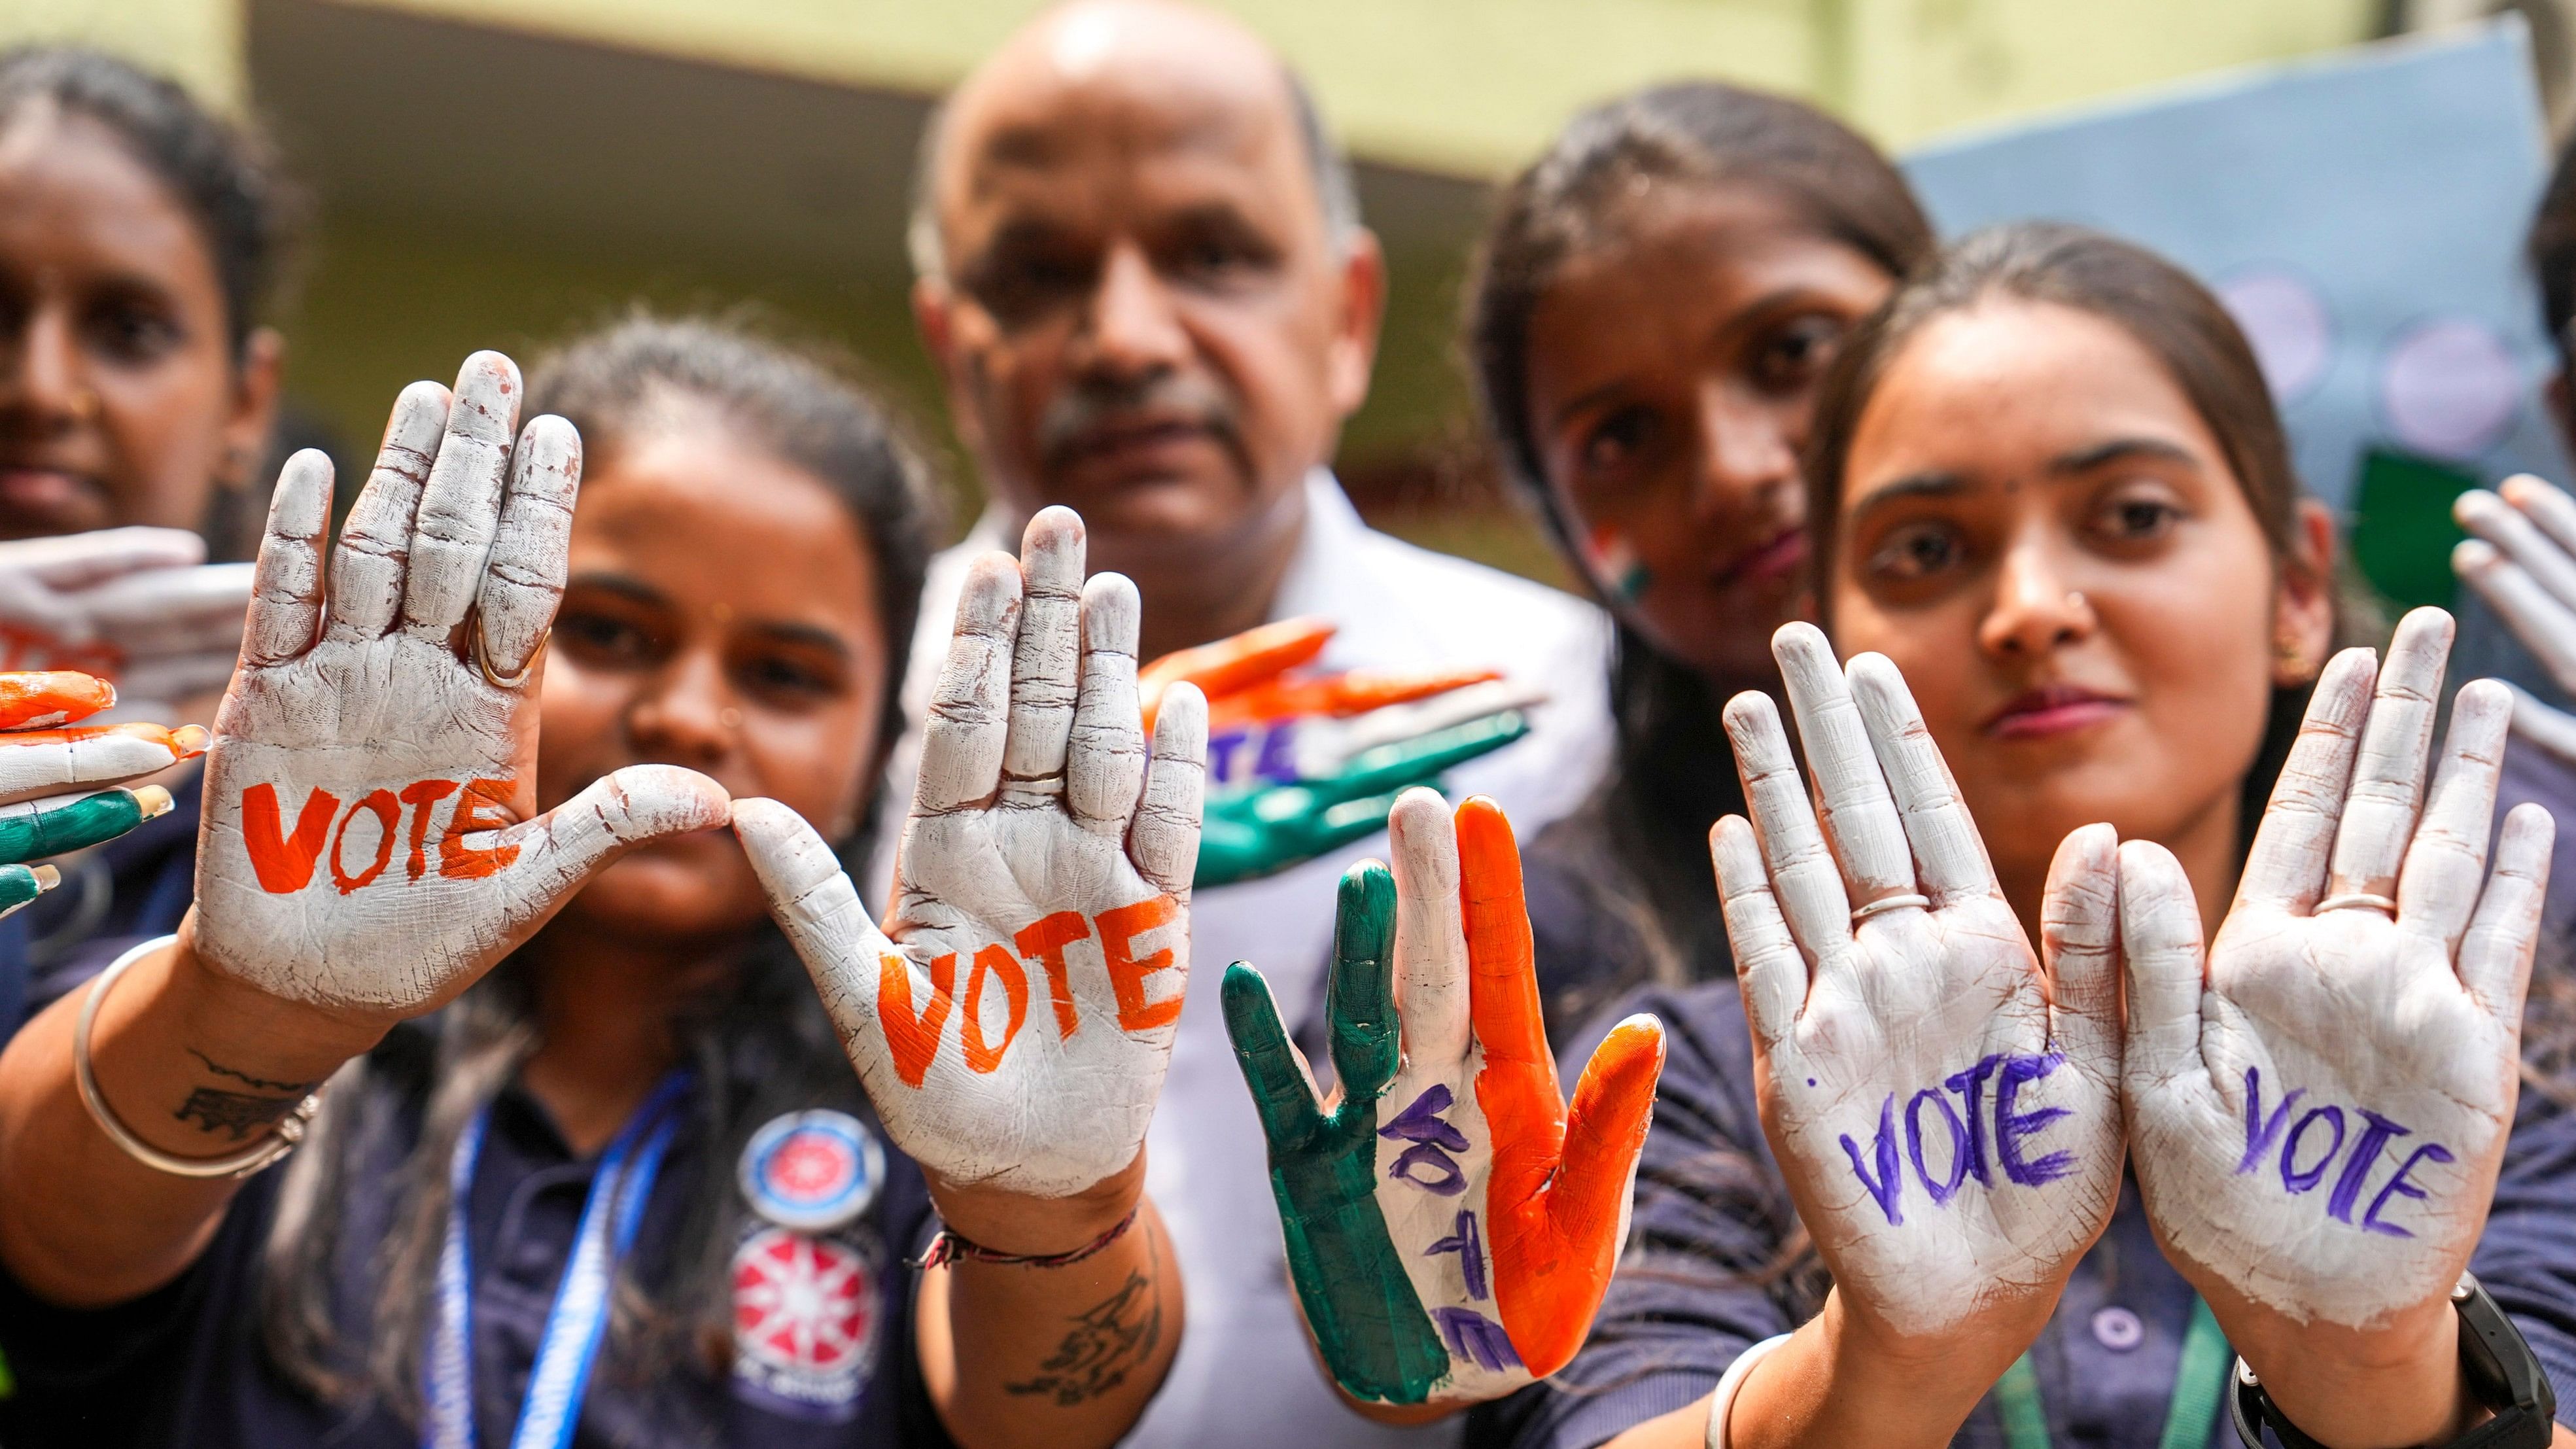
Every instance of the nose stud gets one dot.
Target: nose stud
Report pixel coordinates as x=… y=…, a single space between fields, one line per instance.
x=729 y=717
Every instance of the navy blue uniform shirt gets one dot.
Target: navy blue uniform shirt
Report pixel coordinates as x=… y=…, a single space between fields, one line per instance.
x=1705 y=1275
x=823 y=1342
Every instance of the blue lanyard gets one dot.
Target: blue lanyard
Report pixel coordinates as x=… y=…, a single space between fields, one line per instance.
x=619 y=1188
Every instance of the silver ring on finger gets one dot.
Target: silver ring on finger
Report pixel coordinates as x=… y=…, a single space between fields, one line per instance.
x=1889 y=903
x=2352 y=899
x=494 y=677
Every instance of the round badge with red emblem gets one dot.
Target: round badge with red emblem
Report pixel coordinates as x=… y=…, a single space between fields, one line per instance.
x=812 y=1171
x=805 y=1316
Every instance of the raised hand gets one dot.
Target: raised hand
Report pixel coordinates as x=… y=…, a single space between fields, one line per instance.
x=138 y=606
x=370 y=839
x=1450 y=1226
x=2317 y=1116
x=1013 y=1020
x=1299 y=764
x=2522 y=561
x=1947 y=1115
x=41 y=758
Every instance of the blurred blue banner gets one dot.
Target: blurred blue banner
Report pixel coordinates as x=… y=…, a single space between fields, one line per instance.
x=2363 y=217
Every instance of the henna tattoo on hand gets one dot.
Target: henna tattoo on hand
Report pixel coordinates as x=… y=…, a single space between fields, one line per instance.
x=219 y=1069
x=1108 y=1341
x=237 y=1112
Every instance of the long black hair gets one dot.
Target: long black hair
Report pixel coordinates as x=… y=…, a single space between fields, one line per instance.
x=761 y=1044
x=1641 y=844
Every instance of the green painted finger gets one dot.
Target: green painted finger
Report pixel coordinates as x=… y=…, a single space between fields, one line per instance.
x=1389 y=769
x=40 y=828
x=1359 y=1005
x=1289 y=1117
x=20 y=884
x=1368 y=1322
x=1233 y=847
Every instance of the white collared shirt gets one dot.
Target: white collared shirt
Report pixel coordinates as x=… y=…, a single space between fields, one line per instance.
x=1245 y=1375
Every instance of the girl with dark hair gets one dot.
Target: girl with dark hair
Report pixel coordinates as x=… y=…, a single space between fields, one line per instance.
x=597 y=1168
x=2058 y=539
x=1657 y=298
x=143 y=244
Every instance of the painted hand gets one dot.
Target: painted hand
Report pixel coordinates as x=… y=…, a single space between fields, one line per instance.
x=1946 y=1114
x=137 y=606
x=367 y=842
x=2522 y=561
x=44 y=809
x=1013 y=1020
x=1265 y=828
x=1478 y=1196
x=1298 y=765
x=2318 y=1116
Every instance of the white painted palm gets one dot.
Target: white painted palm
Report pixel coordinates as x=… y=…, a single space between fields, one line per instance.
x=1013 y=1020
x=1948 y=1118
x=2318 y=1117
x=370 y=839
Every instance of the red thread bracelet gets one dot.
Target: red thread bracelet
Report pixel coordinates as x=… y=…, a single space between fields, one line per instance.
x=948 y=1248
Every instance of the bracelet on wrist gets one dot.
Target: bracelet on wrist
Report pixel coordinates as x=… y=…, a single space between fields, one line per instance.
x=948 y=1248
x=1722 y=1403
x=280 y=1141
x=2503 y=1377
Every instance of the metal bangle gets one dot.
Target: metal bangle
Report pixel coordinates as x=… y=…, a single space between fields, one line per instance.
x=1889 y=903
x=290 y=1130
x=2351 y=899
x=498 y=680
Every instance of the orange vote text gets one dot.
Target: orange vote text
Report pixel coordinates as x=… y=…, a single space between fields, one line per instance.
x=388 y=823
x=915 y=1032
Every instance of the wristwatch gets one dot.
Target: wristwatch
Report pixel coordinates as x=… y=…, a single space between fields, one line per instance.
x=2503 y=1377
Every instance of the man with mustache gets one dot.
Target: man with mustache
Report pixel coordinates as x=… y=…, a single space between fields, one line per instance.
x=1142 y=273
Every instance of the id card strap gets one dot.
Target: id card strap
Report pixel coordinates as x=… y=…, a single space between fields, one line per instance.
x=447 y=1370
x=2200 y=1384
x=611 y=1214
x=579 y=1318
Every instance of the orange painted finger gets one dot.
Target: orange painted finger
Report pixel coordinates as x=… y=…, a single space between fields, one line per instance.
x=1502 y=976
x=187 y=742
x=1234 y=663
x=1550 y=1273
x=42 y=700
x=1337 y=695
x=1516 y=1086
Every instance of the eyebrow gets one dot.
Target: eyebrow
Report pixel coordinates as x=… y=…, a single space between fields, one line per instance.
x=2118 y=450
x=1938 y=484
x=808 y=635
x=784 y=631
x=623 y=585
x=1934 y=484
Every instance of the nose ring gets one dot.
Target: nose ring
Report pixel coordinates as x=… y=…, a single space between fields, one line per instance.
x=2075 y=601
x=729 y=717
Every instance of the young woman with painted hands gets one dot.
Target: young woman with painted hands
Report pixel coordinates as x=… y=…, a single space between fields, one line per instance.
x=2061 y=548
x=568 y=1064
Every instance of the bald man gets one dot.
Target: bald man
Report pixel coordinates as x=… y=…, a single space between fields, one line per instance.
x=1142 y=272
